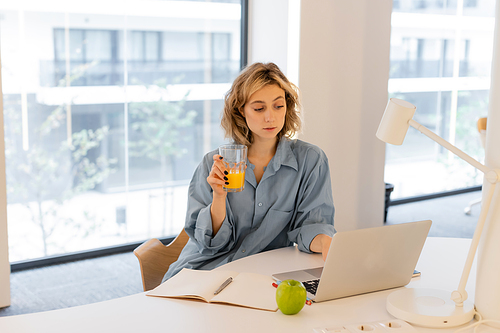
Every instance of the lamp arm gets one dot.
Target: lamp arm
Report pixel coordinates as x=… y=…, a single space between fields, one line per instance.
x=493 y=176
x=449 y=146
x=460 y=295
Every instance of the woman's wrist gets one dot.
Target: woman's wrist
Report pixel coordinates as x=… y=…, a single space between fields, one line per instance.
x=320 y=243
x=218 y=211
x=316 y=243
x=219 y=196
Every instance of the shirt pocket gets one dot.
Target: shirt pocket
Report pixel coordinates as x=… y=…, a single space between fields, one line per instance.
x=275 y=221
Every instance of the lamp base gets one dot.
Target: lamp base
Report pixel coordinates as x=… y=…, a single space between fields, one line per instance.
x=429 y=308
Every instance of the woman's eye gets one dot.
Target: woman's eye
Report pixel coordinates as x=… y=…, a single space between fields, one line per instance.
x=279 y=106
x=259 y=109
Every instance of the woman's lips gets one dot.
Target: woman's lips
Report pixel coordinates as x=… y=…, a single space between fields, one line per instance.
x=269 y=129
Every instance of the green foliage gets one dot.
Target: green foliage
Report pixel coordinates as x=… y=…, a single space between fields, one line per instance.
x=43 y=167
x=48 y=174
x=468 y=113
x=159 y=125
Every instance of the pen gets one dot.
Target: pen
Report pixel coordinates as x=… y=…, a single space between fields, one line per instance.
x=223 y=285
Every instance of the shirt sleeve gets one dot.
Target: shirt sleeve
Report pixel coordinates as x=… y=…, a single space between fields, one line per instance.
x=198 y=218
x=314 y=208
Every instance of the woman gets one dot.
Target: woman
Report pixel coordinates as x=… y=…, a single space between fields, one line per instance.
x=287 y=197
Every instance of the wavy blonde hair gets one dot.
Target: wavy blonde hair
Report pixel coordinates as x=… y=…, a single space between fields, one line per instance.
x=250 y=80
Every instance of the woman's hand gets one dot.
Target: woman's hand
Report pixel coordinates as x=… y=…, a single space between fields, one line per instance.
x=321 y=244
x=217 y=177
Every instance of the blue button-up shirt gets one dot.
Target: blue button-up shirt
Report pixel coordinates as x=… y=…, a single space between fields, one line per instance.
x=292 y=203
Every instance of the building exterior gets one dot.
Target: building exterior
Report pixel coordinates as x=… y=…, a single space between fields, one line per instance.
x=441 y=55
x=109 y=106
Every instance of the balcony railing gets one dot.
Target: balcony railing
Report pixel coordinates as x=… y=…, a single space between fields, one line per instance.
x=105 y=73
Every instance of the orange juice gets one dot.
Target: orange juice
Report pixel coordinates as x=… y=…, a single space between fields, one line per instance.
x=234 y=159
x=236 y=181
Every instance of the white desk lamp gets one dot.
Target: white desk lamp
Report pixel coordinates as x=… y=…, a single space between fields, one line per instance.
x=431 y=307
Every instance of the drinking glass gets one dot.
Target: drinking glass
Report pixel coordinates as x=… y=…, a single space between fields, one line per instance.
x=235 y=160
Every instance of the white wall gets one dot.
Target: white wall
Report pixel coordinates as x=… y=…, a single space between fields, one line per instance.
x=268 y=32
x=343 y=72
x=4 y=246
x=343 y=76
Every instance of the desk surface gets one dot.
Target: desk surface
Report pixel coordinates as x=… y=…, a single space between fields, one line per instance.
x=441 y=264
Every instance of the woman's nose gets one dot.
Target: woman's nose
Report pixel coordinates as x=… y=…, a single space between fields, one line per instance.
x=269 y=116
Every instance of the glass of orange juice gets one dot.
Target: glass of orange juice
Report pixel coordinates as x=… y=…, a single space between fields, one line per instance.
x=235 y=160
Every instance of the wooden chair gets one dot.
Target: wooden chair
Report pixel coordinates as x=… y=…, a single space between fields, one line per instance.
x=155 y=258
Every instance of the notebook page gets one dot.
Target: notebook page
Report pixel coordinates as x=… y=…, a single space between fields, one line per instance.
x=188 y=283
x=250 y=290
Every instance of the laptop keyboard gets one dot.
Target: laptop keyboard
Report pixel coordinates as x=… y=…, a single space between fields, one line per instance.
x=311 y=286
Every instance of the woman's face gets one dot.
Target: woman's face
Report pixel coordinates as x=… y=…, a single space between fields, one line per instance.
x=265 y=112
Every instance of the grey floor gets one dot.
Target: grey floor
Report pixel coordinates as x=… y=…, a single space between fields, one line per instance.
x=95 y=280
x=447 y=215
x=74 y=283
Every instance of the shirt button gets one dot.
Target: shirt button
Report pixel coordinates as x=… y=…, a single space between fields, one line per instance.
x=243 y=250
x=260 y=204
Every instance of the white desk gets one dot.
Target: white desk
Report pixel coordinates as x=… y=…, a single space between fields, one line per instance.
x=441 y=264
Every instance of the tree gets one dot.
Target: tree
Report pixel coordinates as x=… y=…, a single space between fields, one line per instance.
x=159 y=127
x=46 y=176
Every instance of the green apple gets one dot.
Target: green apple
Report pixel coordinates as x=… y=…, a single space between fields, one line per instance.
x=291 y=296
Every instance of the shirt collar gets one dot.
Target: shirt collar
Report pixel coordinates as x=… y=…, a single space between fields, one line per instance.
x=284 y=155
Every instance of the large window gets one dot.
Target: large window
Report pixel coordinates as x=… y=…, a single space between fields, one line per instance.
x=441 y=55
x=107 y=112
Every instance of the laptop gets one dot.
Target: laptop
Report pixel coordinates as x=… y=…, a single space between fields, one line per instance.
x=365 y=260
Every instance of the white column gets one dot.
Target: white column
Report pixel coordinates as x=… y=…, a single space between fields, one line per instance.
x=343 y=77
x=4 y=245
x=487 y=297
x=268 y=32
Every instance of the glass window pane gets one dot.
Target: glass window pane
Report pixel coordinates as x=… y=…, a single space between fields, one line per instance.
x=479 y=8
x=444 y=7
x=98 y=45
x=77 y=45
x=151 y=45
x=442 y=68
x=106 y=118
x=136 y=46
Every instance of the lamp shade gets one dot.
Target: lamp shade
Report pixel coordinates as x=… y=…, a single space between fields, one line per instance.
x=394 y=123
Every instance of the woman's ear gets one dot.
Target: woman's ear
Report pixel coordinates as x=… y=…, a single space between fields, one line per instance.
x=241 y=110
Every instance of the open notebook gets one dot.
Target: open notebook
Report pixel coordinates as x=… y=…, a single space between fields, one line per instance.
x=247 y=289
